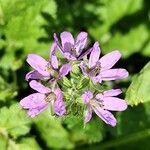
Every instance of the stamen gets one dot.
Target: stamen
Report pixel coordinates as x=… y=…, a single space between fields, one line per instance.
x=95 y=70
x=52 y=71
x=50 y=97
x=73 y=51
x=96 y=103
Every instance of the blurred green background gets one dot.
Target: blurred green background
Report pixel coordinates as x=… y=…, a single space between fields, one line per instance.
x=27 y=26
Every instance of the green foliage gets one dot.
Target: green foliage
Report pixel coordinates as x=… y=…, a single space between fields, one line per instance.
x=52 y=132
x=138 y=92
x=13 y=121
x=81 y=133
x=29 y=144
x=27 y=26
x=138 y=36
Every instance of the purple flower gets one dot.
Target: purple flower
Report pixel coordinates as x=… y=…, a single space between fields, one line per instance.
x=46 y=69
x=38 y=102
x=100 y=69
x=102 y=103
x=70 y=48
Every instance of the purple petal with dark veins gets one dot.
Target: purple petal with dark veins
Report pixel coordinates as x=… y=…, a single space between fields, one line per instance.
x=34 y=75
x=38 y=63
x=83 y=68
x=33 y=101
x=114 y=104
x=64 y=70
x=53 y=58
x=109 y=60
x=81 y=42
x=67 y=41
x=87 y=96
x=59 y=105
x=39 y=87
x=106 y=116
x=88 y=115
x=94 y=56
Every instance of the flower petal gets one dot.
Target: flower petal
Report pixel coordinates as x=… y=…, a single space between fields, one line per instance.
x=33 y=101
x=87 y=96
x=67 y=41
x=64 y=70
x=83 y=68
x=114 y=104
x=81 y=42
x=39 y=87
x=34 y=112
x=69 y=56
x=53 y=58
x=59 y=105
x=113 y=74
x=97 y=79
x=38 y=63
x=108 y=93
x=34 y=75
x=85 y=52
x=58 y=43
x=94 y=56
x=112 y=92
x=109 y=60
x=88 y=115
x=106 y=116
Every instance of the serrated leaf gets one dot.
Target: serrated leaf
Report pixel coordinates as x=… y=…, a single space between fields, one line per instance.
x=25 y=29
x=139 y=90
x=14 y=121
x=28 y=144
x=91 y=133
x=7 y=90
x=52 y=132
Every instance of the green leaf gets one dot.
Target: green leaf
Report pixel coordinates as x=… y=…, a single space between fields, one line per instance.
x=14 y=120
x=138 y=35
x=28 y=144
x=52 y=132
x=3 y=139
x=90 y=133
x=138 y=91
x=24 y=30
x=7 y=90
x=132 y=128
x=12 y=145
x=109 y=14
x=146 y=50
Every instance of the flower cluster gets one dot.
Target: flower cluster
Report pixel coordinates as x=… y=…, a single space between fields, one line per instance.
x=95 y=69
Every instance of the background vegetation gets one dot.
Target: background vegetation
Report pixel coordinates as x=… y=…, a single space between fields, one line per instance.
x=27 y=26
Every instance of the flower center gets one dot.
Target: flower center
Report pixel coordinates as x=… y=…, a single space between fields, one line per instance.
x=96 y=103
x=54 y=73
x=73 y=51
x=94 y=71
x=50 y=97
